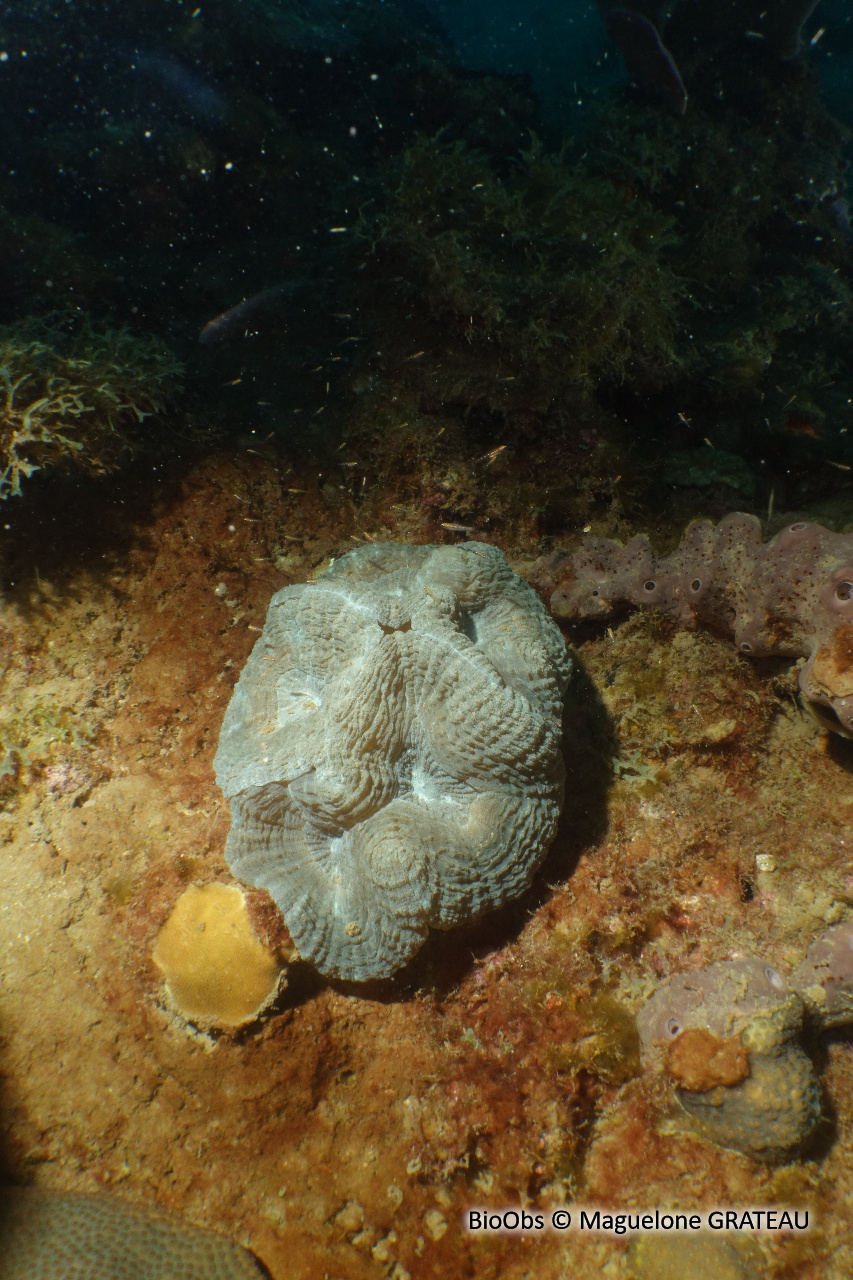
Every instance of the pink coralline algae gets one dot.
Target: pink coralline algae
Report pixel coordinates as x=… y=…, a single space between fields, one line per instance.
x=791 y=597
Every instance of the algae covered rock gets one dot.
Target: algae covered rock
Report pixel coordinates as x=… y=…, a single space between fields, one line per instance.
x=682 y=1258
x=392 y=750
x=44 y=1236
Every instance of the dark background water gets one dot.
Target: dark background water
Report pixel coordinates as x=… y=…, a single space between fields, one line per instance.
x=164 y=162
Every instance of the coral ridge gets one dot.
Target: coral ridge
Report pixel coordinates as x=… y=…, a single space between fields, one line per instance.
x=391 y=752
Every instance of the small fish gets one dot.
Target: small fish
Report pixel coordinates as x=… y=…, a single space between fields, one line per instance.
x=197 y=95
x=801 y=427
x=490 y=457
x=227 y=323
x=646 y=56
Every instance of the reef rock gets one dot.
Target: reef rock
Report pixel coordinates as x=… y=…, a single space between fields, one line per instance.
x=791 y=597
x=680 y=1257
x=391 y=751
x=726 y=1036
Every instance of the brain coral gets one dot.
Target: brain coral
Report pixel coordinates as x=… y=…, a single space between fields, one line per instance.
x=792 y=596
x=391 y=751
x=78 y=1237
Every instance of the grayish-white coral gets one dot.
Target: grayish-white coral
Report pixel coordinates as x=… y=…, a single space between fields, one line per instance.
x=391 y=751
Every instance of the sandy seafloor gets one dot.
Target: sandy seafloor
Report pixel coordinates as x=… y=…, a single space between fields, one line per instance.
x=344 y=1134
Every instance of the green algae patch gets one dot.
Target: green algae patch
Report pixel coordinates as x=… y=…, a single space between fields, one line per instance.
x=614 y=1053
x=550 y=274
x=608 y=1045
x=119 y=889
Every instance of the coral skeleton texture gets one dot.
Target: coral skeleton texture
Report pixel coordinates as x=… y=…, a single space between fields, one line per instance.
x=391 y=752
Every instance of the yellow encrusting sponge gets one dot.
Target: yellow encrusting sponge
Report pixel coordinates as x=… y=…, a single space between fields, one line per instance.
x=218 y=973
